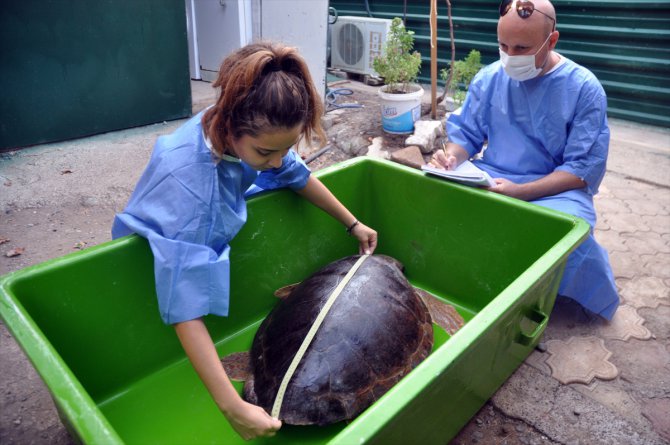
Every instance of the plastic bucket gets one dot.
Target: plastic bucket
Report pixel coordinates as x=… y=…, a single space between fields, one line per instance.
x=400 y=110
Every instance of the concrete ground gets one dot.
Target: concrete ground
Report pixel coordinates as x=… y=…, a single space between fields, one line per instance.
x=590 y=382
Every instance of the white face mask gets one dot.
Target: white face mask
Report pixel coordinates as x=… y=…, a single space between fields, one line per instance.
x=521 y=67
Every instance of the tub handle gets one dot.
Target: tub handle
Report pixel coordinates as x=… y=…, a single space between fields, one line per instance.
x=537 y=317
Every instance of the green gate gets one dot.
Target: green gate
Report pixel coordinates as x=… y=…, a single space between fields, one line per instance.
x=72 y=68
x=626 y=44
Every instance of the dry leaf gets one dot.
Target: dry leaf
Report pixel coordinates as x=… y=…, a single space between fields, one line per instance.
x=15 y=252
x=65 y=172
x=79 y=245
x=4 y=240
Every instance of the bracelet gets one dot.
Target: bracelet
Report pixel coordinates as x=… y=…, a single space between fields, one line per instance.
x=351 y=227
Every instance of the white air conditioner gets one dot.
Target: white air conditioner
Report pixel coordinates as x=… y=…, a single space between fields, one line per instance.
x=356 y=41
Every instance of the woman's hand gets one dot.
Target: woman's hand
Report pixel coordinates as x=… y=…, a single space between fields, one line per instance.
x=367 y=238
x=251 y=421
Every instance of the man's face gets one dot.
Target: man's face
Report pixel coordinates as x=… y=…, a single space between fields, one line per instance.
x=522 y=37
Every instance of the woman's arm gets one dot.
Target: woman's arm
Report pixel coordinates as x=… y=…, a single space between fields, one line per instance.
x=317 y=193
x=250 y=421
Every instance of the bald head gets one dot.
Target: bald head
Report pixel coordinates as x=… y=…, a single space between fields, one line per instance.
x=542 y=19
x=533 y=35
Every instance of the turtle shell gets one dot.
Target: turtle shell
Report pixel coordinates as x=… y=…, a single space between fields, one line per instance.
x=376 y=332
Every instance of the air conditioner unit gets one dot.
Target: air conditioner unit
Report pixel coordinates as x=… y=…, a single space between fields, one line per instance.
x=356 y=41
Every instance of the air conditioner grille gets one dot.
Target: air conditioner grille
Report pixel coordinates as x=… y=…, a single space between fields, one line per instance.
x=350 y=44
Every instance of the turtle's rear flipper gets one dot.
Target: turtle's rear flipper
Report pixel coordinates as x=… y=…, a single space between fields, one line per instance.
x=443 y=314
x=237 y=366
x=285 y=291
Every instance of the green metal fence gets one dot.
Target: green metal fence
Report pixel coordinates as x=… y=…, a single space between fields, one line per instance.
x=625 y=43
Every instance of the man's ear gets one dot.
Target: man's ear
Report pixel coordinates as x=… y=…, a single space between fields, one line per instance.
x=553 y=40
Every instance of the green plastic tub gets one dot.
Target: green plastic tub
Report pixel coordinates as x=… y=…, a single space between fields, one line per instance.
x=90 y=325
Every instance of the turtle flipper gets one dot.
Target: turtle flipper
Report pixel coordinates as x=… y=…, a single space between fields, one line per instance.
x=238 y=366
x=285 y=291
x=443 y=314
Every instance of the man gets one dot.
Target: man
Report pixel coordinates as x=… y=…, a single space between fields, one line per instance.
x=544 y=120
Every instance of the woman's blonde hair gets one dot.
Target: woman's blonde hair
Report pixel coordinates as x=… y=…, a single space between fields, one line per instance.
x=264 y=86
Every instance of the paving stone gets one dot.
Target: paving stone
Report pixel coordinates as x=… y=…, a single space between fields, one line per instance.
x=625 y=324
x=657 y=265
x=645 y=207
x=658 y=413
x=626 y=222
x=611 y=240
x=580 y=360
x=563 y=414
x=625 y=264
x=643 y=365
x=610 y=206
x=645 y=243
x=601 y=224
x=658 y=223
x=645 y=291
x=661 y=196
x=628 y=190
x=603 y=192
x=656 y=320
x=538 y=360
x=612 y=396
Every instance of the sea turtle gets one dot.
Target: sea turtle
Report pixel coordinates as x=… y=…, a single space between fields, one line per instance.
x=377 y=330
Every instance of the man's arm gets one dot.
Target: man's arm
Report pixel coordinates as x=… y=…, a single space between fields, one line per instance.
x=451 y=156
x=552 y=184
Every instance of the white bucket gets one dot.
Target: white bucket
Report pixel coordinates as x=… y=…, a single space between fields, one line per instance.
x=400 y=111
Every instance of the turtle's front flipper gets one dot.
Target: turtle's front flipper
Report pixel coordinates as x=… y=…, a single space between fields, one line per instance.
x=443 y=314
x=285 y=291
x=237 y=366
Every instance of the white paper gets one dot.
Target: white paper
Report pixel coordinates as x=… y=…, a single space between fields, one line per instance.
x=466 y=173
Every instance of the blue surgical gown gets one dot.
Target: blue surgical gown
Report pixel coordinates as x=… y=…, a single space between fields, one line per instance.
x=555 y=122
x=189 y=207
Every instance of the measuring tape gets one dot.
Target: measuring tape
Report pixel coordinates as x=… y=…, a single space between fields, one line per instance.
x=276 y=408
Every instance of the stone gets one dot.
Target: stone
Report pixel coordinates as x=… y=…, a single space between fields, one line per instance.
x=658 y=413
x=645 y=291
x=409 y=156
x=625 y=324
x=580 y=360
x=375 y=149
x=425 y=133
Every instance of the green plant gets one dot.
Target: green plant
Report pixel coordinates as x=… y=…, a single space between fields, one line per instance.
x=463 y=71
x=398 y=64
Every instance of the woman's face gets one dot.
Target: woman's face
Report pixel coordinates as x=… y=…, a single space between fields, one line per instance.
x=266 y=150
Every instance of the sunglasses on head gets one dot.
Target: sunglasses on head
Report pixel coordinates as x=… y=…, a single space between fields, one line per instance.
x=524 y=8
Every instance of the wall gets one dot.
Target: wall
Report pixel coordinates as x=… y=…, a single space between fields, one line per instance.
x=625 y=43
x=72 y=68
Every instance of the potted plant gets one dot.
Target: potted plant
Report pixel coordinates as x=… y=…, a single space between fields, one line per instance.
x=399 y=65
x=460 y=75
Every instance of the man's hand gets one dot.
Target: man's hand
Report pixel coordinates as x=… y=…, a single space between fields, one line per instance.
x=443 y=159
x=451 y=156
x=508 y=188
x=251 y=421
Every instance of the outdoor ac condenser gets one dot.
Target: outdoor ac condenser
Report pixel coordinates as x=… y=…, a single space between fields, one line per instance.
x=356 y=41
